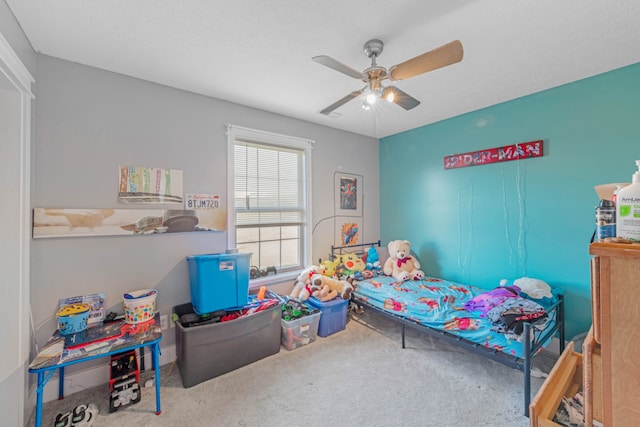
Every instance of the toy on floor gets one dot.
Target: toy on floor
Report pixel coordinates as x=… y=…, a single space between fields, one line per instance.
x=124 y=384
x=293 y=309
x=81 y=416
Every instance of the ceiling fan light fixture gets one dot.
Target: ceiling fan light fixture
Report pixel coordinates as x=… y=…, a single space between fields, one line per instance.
x=373 y=77
x=371 y=98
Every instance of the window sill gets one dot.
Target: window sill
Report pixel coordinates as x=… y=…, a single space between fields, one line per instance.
x=289 y=276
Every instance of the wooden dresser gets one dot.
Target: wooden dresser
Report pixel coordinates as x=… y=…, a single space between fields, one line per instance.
x=615 y=293
x=608 y=370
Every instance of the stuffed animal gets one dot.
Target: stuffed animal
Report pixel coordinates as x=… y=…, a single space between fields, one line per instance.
x=325 y=293
x=330 y=267
x=373 y=260
x=302 y=287
x=401 y=264
x=351 y=264
x=343 y=287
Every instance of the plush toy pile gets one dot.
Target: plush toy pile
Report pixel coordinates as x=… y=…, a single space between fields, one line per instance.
x=313 y=281
x=338 y=277
x=302 y=287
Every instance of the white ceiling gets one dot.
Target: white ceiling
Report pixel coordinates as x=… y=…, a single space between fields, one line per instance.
x=258 y=53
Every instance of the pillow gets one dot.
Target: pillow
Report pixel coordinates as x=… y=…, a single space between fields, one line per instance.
x=535 y=288
x=383 y=254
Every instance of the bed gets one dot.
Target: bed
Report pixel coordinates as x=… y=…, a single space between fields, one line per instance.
x=437 y=307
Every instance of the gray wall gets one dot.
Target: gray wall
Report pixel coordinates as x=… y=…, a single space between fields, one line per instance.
x=13 y=33
x=90 y=121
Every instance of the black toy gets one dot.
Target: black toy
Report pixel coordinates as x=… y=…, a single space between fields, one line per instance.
x=124 y=384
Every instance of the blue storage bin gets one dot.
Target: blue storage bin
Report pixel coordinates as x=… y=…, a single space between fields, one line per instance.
x=334 y=315
x=218 y=281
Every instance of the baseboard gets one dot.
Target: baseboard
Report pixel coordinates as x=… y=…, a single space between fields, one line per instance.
x=94 y=376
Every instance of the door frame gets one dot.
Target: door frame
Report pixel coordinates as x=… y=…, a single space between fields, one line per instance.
x=15 y=73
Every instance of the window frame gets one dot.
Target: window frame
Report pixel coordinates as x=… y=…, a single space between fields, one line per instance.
x=234 y=133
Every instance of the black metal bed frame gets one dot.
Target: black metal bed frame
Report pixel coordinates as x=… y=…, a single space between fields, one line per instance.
x=531 y=347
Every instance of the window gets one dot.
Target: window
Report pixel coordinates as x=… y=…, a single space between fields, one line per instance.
x=269 y=187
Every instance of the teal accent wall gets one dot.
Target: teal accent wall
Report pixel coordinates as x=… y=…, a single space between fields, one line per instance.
x=532 y=217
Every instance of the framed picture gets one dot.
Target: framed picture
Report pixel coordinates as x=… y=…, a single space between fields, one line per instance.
x=56 y=222
x=348 y=194
x=348 y=231
x=139 y=184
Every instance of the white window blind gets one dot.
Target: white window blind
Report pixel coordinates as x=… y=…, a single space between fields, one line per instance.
x=270 y=198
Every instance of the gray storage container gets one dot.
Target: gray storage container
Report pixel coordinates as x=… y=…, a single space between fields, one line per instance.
x=207 y=351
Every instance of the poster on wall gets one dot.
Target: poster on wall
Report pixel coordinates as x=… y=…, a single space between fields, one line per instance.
x=53 y=222
x=348 y=232
x=139 y=184
x=348 y=194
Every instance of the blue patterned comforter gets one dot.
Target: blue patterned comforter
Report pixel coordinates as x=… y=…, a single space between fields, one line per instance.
x=439 y=304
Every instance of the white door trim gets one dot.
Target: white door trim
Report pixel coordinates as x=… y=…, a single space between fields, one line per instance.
x=18 y=101
x=16 y=72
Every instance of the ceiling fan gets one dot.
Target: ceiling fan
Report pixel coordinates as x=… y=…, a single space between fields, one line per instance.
x=373 y=76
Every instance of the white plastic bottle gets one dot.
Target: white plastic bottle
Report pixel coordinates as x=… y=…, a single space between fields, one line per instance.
x=628 y=209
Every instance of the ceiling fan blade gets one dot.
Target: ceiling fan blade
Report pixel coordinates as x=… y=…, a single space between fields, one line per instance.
x=341 y=102
x=442 y=56
x=327 y=61
x=400 y=98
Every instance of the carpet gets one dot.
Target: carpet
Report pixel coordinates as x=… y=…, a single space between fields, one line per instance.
x=358 y=376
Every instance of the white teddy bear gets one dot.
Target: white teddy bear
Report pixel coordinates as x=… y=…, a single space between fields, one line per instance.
x=401 y=264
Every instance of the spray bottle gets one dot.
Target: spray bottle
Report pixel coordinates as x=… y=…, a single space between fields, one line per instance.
x=628 y=209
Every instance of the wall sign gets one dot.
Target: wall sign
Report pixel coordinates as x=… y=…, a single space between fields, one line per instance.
x=202 y=201
x=523 y=150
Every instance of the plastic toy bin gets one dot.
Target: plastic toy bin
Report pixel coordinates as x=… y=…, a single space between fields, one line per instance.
x=210 y=350
x=334 y=315
x=218 y=281
x=301 y=331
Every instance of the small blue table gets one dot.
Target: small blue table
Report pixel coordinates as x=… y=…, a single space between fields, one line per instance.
x=138 y=336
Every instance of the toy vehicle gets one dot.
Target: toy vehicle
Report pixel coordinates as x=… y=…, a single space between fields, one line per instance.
x=124 y=384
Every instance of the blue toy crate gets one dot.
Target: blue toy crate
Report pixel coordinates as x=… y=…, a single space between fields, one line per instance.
x=218 y=281
x=334 y=315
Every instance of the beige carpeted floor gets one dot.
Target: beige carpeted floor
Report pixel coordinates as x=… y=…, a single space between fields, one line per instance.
x=359 y=376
